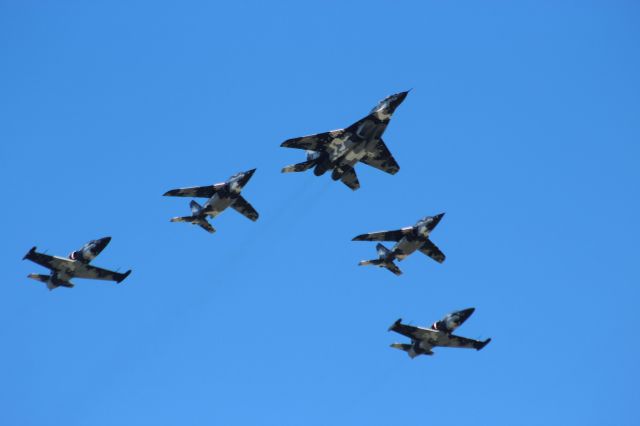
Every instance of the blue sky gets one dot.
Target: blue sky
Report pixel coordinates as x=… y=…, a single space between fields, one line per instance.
x=522 y=126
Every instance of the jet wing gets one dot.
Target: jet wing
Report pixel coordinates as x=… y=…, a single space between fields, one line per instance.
x=384 y=235
x=315 y=142
x=243 y=207
x=95 y=273
x=195 y=191
x=412 y=332
x=52 y=262
x=431 y=250
x=463 y=342
x=381 y=159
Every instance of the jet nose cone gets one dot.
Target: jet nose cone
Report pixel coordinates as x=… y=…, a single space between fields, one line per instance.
x=465 y=314
x=436 y=219
x=101 y=244
x=246 y=176
x=400 y=97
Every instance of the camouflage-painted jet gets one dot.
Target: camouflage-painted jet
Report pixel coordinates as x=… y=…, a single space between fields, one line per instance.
x=75 y=266
x=220 y=196
x=408 y=239
x=424 y=339
x=340 y=150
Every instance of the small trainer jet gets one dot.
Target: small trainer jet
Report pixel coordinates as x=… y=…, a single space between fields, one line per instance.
x=439 y=334
x=340 y=150
x=220 y=196
x=75 y=266
x=408 y=240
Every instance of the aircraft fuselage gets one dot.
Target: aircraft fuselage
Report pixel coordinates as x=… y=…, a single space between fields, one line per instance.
x=359 y=139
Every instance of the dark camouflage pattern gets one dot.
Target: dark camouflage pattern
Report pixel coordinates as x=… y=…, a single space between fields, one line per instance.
x=340 y=150
x=64 y=269
x=221 y=195
x=408 y=240
x=424 y=339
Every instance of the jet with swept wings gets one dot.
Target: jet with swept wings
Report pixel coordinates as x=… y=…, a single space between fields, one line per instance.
x=408 y=240
x=76 y=265
x=439 y=334
x=220 y=196
x=340 y=150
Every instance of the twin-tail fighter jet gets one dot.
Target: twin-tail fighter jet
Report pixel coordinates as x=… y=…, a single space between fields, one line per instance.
x=408 y=240
x=439 y=334
x=75 y=266
x=340 y=150
x=220 y=196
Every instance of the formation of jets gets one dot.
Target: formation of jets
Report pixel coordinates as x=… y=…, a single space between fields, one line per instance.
x=338 y=151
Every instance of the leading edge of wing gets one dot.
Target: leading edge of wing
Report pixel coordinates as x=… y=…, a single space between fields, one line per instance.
x=95 y=273
x=194 y=191
x=395 y=235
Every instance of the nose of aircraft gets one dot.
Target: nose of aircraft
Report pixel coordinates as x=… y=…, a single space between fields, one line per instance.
x=246 y=176
x=465 y=314
x=400 y=97
x=102 y=243
x=403 y=95
x=437 y=218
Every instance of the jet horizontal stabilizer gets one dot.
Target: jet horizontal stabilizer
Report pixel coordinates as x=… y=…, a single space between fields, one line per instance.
x=195 y=220
x=52 y=283
x=300 y=167
x=381 y=263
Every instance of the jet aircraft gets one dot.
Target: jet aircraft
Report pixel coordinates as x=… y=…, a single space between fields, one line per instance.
x=439 y=334
x=75 y=266
x=340 y=150
x=220 y=196
x=408 y=240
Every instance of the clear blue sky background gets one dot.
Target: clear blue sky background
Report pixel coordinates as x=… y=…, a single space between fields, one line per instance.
x=522 y=125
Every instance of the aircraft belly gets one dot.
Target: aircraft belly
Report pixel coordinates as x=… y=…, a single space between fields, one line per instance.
x=65 y=275
x=216 y=205
x=352 y=157
x=338 y=147
x=426 y=345
x=405 y=247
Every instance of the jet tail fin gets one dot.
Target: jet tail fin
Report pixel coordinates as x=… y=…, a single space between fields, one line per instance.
x=384 y=260
x=350 y=179
x=195 y=207
x=300 y=167
x=382 y=250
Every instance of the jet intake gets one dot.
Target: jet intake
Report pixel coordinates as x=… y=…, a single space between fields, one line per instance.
x=84 y=255
x=446 y=325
